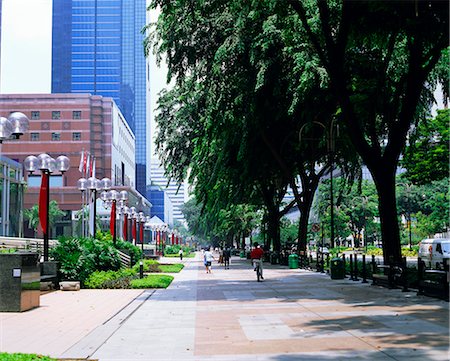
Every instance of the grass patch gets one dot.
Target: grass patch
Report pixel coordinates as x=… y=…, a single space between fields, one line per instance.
x=190 y=255
x=152 y=281
x=171 y=268
x=23 y=357
x=8 y=250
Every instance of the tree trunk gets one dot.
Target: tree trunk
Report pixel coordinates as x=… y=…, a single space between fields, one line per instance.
x=387 y=206
x=305 y=209
x=273 y=229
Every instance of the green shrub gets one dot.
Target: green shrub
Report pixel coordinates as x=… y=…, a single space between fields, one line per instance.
x=371 y=250
x=150 y=265
x=79 y=257
x=171 y=268
x=109 y=279
x=8 y=250
x=152 y=281
x=134 y=252
x=23 y=357
x=172 y=249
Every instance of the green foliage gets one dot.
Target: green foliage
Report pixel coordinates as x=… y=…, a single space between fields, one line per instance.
x=79 y=257
x=174 y=249
x=189 y=255
x=355 y=209
x=288 y=231
x=110 y=279
x=24 y=357
x=171 y=268
x=152 y=281
x=8 y=250
x=426 y=156
x=375 y=251
x=150 y=265
x=32 y=215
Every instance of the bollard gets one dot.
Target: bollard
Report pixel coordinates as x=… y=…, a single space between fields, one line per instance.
x=328 y=263
x=405 y=275
x=374 y=269
x=364 y=275
x=141 y=269
x=351 y=268
x=355 y=276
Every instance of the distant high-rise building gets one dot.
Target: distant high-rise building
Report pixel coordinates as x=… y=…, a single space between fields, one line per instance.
x=97 y=49
x=175 y=191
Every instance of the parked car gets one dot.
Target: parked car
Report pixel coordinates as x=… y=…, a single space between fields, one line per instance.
x=433 y=251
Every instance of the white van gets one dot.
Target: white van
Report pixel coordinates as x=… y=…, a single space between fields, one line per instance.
x=433 y=251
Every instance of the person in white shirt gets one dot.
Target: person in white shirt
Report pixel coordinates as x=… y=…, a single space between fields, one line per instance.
x=208 y=260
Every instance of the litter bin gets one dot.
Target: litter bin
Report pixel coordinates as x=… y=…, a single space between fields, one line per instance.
x=337 y=270
x=19 y=282
x=293 y=261
x=242 y=254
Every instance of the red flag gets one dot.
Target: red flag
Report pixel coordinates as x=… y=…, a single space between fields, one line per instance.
x=141 y=232
x=112 y=221
x=133 y=229
x=92 y=167
x=85 y=163
x=125 y=227
x=173 y=239
x=43 y=202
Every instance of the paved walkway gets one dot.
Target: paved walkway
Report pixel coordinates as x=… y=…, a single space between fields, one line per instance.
x=228 y=316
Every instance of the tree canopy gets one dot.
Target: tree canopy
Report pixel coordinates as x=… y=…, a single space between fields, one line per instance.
x=260 y=87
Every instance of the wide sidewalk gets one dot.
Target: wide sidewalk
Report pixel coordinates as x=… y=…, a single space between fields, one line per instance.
x=227 y=316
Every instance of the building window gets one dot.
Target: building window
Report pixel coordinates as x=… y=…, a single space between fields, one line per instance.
x=76 y=136
x=34 y=137
x=35 y=115
x=56 y=136
x=76 y=114
x=56 y=114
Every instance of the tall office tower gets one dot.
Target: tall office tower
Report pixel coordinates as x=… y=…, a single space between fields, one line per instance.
x=175 y=191
x=97 y=49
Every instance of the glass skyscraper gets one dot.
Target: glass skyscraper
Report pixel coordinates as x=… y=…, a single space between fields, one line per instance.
x=97 y=49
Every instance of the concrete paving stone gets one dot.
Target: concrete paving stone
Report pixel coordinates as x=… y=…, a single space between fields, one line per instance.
x=228 y=316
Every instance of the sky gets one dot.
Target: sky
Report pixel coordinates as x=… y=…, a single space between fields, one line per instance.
x=26 y=46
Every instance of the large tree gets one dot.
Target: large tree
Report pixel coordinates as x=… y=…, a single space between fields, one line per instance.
x=378 y=56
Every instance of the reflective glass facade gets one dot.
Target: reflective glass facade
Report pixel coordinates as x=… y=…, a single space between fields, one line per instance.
x=97 y=49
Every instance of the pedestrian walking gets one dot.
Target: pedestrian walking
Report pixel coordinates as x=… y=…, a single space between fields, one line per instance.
x=226 y=257
x=208 y=260
x=180 y=253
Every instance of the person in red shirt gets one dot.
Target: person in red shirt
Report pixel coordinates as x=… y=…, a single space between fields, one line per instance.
x=257 y=255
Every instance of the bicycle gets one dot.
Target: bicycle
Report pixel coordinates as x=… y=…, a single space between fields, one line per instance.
x=257 y=264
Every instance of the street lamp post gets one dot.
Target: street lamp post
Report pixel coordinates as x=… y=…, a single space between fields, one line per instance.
x=94 y=185
x=123 y=210
x=47 y=165
x=133 y=217
x=408 y=189
x=330 y=141
x=82 y=187
x=14 y=126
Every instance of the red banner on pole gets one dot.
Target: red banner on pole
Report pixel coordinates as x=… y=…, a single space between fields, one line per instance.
x=112 y=221
x=133 y=230
x=43 y=202
x=141 y=232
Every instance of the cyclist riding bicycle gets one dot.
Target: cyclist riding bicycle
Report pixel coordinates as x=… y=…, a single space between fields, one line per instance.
x=256 y=256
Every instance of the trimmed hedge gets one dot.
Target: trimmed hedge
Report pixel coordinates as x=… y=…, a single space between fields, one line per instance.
x=152 y=281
